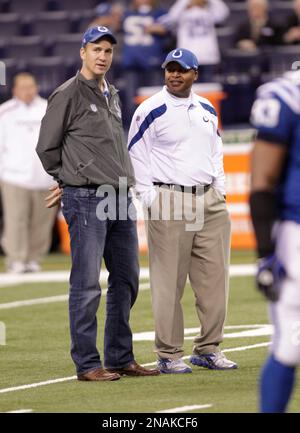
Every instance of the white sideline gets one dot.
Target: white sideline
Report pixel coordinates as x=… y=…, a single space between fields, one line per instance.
x=62 y=276
x=66 y=379
x=20 y=411
x=185 y=408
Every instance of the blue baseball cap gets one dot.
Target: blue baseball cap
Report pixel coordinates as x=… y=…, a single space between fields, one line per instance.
x=94 y=33
x=184 y=57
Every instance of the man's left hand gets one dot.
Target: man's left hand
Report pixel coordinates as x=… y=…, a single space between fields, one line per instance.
x=269 y=276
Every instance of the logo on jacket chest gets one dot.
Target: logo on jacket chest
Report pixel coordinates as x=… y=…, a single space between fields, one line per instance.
x=94 y=108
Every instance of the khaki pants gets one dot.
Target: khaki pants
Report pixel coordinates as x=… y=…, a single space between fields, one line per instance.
x=203 y=255
x=27 y=223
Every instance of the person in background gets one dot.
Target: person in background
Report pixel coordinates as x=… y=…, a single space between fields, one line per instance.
x=143 y=50
x=275 y=213
x=291 y=30
x=28 y=224
x=194 y=23
x=259 y=30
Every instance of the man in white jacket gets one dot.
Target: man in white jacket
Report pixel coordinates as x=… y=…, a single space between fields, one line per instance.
x=24 y=182
x=177 y=155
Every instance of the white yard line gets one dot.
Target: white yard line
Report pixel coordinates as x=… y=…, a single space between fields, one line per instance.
x=63 y=276
x=51 y=299
x=66 y=379
x=20 y=411
x=185 y=408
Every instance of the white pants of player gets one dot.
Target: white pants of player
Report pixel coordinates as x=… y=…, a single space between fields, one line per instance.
x=285 y=314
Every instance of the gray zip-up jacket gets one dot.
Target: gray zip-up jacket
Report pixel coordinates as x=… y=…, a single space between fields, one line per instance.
x=81 y=138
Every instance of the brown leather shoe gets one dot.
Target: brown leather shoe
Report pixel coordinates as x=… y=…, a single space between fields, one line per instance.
x=99 y=374
x=134 y=369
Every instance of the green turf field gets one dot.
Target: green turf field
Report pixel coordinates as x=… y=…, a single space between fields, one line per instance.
x=37 y=350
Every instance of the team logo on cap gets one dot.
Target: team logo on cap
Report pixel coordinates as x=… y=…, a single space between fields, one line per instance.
x=177 y=54
x=102 y=29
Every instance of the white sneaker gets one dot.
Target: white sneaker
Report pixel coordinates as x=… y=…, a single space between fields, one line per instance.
x=33 y=266
x=16 y=268
x=169 y=366
x=213 y=361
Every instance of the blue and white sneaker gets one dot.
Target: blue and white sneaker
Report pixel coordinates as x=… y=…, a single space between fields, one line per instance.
x=173 y=366
x=213 y=361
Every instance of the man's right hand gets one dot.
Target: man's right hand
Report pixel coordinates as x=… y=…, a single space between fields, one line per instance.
x=54 y=198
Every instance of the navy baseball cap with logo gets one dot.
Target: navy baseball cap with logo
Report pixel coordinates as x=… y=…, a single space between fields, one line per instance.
x=94 y=33
x=184 y=57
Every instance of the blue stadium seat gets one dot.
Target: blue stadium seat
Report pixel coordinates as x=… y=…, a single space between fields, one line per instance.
x=51 y=23
x=238 y=14
x=50 y=72
x=236 y=61
x=282 y=58
x=10 y=24
x=24 y=48
x=225 y=37
x=84 y=20
x=280 y=10
x=73 y=5
x=68 y=46
x=23 y=7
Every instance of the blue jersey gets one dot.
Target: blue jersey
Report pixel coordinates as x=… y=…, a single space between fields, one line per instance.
x=142 y=50
x=276 y=116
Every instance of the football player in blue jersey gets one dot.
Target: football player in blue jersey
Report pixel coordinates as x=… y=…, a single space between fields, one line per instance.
x=275 y=212
x=143 y=50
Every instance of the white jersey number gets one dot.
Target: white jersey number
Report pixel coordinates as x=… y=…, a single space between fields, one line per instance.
x=265 y=112
x=135 y=34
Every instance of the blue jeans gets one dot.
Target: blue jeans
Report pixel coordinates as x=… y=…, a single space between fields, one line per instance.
x=91 y=239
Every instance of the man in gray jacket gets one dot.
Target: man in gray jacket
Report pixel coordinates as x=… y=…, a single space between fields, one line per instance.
x=82 y=146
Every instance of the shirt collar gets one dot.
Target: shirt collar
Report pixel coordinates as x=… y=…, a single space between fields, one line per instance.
x=185 y=102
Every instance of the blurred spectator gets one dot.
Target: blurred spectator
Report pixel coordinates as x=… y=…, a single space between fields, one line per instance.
x=143 y=50
x=109 y=15
x=24 y=183
x=291 y=31
x=259 y=29
x=195 y=22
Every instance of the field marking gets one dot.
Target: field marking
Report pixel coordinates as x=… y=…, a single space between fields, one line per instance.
x=248 y=331
x=185 y=408
x=51 y=299
x=66 y=379
x=20 y=411
x=63 y=276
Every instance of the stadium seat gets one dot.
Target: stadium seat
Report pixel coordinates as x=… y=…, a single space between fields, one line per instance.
x=68 y=46
x=236 y=61
x=238 y=14
x=280 y=10
x=282 y=58
x=10 y=24
x=23 y=7
x=24 y=48
x=84 y=20
x=225 y=37
x=50 y=72
x=72 y=5
x=51 y=23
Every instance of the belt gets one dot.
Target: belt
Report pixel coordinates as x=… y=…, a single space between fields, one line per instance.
x=191 y=189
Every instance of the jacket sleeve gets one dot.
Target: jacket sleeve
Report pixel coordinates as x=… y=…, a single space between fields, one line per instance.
x=139 y=147
x=2 y=144
x=174 y=14
x=53 y=128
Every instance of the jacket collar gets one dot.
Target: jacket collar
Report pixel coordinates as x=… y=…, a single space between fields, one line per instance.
x=93 y=84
